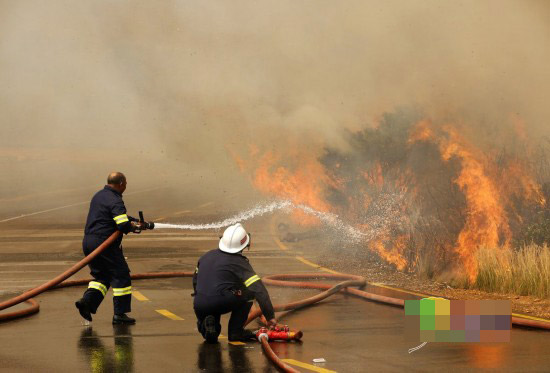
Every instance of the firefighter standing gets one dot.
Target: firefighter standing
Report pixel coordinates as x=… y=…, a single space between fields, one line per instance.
x=224 y=281
x=108 y=214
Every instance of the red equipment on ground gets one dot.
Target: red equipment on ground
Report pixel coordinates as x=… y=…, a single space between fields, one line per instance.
x=279 y=333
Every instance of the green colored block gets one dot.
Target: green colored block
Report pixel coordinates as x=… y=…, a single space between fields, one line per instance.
x=442 y=336
x=427 y=307
x=412 y=307
x=457 y=335
x=427 y=322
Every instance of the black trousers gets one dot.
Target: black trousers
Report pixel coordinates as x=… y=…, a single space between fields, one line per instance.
x=218 y=305
x=108 y=269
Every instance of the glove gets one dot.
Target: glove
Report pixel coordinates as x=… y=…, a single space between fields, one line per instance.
x=136 y=227
x=272 y=323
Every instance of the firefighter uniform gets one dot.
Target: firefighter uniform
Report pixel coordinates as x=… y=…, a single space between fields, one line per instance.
x=107 y=214
x=223 y=283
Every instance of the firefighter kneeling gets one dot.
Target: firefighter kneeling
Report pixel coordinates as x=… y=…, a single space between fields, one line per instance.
x=224 y=281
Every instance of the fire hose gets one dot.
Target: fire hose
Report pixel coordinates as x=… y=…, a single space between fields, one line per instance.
x=284 y=280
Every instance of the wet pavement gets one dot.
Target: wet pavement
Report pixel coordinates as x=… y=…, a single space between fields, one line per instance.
x=349 y=333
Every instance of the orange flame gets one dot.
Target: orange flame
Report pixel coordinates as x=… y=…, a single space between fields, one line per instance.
x=489 y=191
x=486 y=223
x=304 y=186
x=391 y=250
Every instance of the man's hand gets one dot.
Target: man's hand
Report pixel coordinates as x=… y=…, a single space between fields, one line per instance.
x=136 y=227
x=272 y=323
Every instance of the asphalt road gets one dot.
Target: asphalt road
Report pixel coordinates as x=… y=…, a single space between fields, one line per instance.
x=350 y=334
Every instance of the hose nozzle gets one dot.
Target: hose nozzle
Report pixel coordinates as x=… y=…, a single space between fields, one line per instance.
x=145 y=224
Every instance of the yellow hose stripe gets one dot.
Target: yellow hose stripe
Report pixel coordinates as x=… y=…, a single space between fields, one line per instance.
x=251 y=280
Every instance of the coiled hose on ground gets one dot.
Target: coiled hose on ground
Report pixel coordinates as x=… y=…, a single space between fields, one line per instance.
x=286 y=280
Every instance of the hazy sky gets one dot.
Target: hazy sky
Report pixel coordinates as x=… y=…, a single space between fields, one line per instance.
x=180 y=81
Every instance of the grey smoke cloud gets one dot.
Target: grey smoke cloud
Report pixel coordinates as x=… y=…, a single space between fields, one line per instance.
x=180 y=81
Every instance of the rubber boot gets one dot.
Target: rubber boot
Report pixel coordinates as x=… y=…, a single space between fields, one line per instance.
x=242 y=336
x=123 y=319
x=210 y=333
x=84 y=309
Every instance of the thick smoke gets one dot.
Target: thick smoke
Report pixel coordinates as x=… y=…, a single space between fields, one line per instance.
x=161 y=90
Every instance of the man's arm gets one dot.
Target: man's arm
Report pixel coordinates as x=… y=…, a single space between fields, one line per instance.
x=122 y=220
x=253 y=284
x=195 y=275
x=262 y=296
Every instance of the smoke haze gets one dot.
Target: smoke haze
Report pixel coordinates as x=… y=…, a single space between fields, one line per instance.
x=162 y=90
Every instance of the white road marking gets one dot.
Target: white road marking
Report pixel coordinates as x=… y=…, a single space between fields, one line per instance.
x=67 y=206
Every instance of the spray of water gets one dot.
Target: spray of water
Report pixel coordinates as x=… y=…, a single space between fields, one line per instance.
x=243 y=216
x=386 y=215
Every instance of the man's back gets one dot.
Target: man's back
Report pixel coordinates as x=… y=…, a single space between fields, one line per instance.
x=221 y=272
x=105 y=208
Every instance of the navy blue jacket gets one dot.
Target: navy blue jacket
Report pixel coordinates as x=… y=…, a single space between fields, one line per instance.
x=107 y=214
x=219 y=273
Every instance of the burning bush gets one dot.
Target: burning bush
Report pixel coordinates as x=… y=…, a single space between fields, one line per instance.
x=433 y=192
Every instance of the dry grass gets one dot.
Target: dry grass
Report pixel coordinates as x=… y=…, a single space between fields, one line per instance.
x=525 y=271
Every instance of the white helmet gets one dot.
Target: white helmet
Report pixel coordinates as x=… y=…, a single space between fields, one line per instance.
x=234 y=239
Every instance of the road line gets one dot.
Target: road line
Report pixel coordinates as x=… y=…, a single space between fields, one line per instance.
x=170 y=315
x=67 y=206
x=139 y=296
x=276 y=236
x=305 y=261
x=307 y=366
x=397 y=289
x=280 y=244
x=235 y=343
